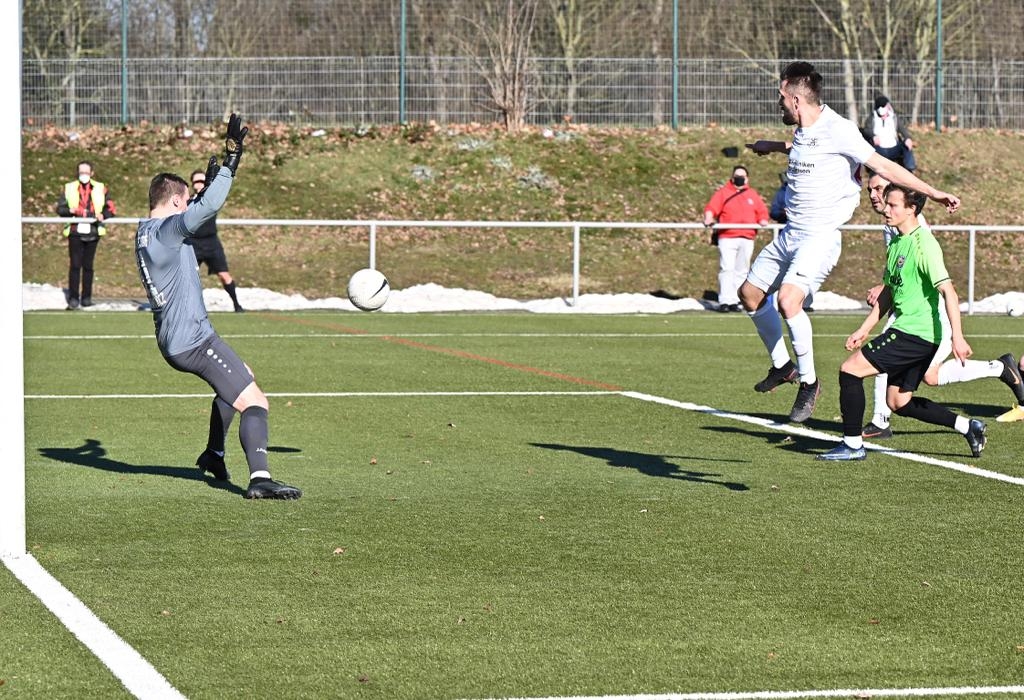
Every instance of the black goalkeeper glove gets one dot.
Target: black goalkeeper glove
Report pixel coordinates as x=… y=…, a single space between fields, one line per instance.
x=233 y=143
x=211 y=172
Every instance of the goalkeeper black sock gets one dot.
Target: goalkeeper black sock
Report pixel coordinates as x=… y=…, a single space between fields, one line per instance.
x=221 y=415
x=253 y=433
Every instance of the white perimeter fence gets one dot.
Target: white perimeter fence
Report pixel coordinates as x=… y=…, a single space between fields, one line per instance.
x=576 y=227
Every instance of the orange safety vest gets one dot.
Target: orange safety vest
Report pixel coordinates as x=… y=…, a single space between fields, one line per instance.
x=99 y=200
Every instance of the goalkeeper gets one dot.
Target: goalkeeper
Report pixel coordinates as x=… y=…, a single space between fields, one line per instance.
x=184 y=334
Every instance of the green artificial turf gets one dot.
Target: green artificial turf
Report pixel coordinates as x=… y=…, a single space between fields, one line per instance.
x=552 y=544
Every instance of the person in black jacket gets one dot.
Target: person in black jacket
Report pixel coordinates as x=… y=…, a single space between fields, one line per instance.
x=207 y=245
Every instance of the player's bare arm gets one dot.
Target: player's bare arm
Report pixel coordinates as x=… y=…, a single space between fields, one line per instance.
x=873 y=294
x=961 y=349
x=881 y=307
x=894 y=172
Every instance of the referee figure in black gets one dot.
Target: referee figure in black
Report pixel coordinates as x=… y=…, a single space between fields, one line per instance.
x=207 y=245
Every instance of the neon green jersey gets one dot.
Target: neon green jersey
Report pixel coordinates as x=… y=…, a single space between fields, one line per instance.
x=914 y=269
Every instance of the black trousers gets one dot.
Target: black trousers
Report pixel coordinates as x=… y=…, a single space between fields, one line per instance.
x=82 y=254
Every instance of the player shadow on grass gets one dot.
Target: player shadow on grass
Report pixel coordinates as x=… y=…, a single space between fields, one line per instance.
x=783 y=441
x=651 y=465
x=93 y=454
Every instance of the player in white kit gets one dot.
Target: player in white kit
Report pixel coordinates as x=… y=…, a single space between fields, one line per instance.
x=825 y=156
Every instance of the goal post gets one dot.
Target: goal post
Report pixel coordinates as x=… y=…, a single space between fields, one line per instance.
x=12 y=378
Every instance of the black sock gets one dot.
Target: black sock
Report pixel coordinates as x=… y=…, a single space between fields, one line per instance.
x=253 y=433
x=229 y=287
x=928 y=412
x=851 y=403
x=221 y=415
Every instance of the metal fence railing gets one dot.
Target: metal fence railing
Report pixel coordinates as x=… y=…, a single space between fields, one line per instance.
x=576 y=227
x=351 y=90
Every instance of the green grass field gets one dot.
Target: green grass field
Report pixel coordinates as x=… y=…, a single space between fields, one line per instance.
x=486 y=514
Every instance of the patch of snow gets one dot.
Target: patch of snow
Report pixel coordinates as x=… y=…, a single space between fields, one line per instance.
x=434 y=297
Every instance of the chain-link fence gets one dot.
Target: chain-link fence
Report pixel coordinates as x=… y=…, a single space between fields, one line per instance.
x=348 y=62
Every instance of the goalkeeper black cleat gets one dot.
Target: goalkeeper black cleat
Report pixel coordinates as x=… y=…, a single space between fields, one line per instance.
x=214 y=464
x=268 y=488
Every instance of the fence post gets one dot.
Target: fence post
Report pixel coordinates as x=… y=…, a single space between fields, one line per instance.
x=401 y=66
x=675 y=64
x=373 y=246
x=124 y=62
x=575 y=265
x=971 y=238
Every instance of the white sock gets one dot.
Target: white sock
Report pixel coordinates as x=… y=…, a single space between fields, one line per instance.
x=259 y=474
x=962 y=425
x=854 y=442
x=769 y=327
x=952 y=371
x=803 y=346
x=882 y=412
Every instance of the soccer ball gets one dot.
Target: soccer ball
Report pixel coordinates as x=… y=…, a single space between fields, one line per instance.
x=1015 y=308
x=368 y=289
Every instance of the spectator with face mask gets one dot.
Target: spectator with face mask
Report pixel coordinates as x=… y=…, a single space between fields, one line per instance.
x=84 y=198
x=736 y=202
x=890 y=139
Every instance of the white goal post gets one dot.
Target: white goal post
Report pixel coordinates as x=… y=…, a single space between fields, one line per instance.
x=12 y=384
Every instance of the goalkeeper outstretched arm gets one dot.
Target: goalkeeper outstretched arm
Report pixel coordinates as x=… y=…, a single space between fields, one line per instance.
x=218 y=178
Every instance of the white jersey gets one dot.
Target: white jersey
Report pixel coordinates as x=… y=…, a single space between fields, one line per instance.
x=824 y=164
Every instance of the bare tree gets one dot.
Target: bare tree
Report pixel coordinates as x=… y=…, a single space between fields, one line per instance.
x=505 y=28
x=69 y=30
x=846 y=27
x=571 y=19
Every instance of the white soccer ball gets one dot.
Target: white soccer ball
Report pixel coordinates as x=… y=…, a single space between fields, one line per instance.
x=368 y=289
x=1015 y=307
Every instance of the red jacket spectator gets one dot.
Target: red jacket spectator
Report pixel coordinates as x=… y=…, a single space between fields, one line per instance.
x=736 y=204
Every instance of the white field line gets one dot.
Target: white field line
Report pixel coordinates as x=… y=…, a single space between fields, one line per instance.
x=787 y=694
x=807 y=432
x=142 y=680
x=330 y=394
x=134 y=672
x=356 y=336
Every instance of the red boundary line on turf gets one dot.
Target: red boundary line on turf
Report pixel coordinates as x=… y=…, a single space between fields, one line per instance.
x=453 y=352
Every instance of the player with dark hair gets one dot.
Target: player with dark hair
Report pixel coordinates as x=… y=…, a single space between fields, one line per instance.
x=915 y=277
x=184 y=335
x=209 y=249
x=942 y=371
x=825 y=156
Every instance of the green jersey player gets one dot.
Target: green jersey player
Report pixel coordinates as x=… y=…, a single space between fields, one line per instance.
x=916 y=283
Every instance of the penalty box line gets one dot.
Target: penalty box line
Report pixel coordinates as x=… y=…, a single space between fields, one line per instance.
x=817 y=435
x=137 y=675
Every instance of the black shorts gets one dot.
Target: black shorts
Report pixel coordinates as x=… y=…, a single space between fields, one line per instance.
x=904 y=357
x=210 y=251
x=217 y=364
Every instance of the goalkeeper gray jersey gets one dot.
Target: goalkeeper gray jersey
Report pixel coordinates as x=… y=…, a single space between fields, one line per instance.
x=170 y=274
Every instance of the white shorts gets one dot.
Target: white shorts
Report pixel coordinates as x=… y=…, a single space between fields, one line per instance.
x=945 y=343
x=798 y=259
